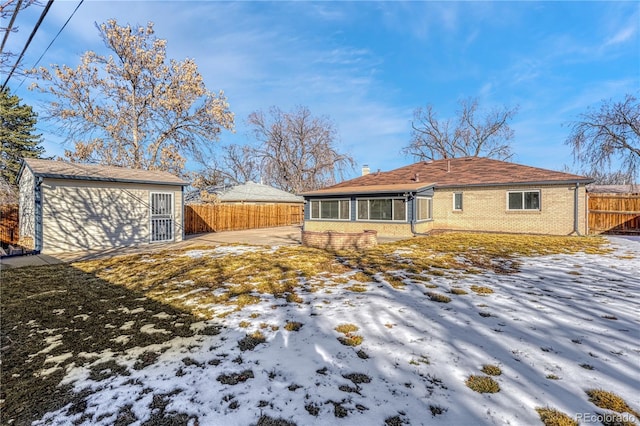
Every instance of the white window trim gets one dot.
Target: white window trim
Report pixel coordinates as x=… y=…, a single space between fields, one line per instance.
x=430 y=218
x=524 y=209
x=382 y=220
x=320 y=209
x=454 y=201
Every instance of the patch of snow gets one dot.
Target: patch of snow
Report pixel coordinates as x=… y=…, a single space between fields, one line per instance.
x=150 y=329
x=416 y=354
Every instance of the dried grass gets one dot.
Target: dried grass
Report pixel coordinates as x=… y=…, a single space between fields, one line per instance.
x=482 y=384
x=553 y=417
x=610 y=401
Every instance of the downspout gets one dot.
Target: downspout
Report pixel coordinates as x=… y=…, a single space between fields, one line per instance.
x=576 y=199
x=182 y=213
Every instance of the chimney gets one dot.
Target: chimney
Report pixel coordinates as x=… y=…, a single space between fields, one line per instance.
x=365 y=170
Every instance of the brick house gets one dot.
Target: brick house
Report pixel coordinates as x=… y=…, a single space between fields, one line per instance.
x=467 y=194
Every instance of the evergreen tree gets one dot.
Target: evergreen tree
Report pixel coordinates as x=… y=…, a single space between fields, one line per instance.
x=16 y=135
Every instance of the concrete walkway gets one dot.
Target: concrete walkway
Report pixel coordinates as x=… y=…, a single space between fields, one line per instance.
x=285 y=235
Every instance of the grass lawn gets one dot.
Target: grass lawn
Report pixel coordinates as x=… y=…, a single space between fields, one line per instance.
x=447 y=329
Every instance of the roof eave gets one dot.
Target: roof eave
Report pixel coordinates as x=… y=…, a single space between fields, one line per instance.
x=364 y=190
x=104 y=179
x=521 y=183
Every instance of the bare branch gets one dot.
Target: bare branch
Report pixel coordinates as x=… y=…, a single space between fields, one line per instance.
x=296 y=150
x=608 y=136
x=487 y=136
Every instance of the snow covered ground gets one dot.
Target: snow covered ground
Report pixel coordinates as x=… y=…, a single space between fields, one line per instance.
x=560 y=326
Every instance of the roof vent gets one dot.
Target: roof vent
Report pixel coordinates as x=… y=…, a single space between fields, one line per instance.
x=417 y=177
x=448 y=166
x=365 y=170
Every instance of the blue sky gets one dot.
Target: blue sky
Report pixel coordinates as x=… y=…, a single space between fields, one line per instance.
x=368 y=65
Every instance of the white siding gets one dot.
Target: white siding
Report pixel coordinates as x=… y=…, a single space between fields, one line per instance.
x=88 y=215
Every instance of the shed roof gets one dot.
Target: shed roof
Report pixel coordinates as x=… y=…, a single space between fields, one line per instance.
x=613 y=189
x=248 y=192
x=455 y=172
x=91 y=172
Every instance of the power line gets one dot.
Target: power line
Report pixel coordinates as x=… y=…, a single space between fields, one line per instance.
x=54 y=39
x=13 y=19
x=33 y=33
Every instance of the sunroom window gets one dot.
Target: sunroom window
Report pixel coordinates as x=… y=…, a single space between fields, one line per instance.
x=330 y=209
x=392 y=209
x=423 y=208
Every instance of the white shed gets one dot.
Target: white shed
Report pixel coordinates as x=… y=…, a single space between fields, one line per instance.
x=75 y=207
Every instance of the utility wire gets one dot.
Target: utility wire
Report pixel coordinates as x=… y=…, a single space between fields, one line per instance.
x=54 y=39
x=33 y=33
x=13 y=19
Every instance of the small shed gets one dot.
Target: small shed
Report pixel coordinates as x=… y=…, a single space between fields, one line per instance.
x=76 y=207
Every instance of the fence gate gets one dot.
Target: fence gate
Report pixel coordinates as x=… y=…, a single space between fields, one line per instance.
x=161 y=216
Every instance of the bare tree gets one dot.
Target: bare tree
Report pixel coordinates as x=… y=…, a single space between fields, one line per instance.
x=134 y=108
x=240 y=163
x=9 y=10
x=471 y=134
x=297 y=151
x=609 y=134
x=236 y=164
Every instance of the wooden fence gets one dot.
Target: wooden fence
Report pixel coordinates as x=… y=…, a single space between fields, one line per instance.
x=200 y=218
x=9 y=228
x=614 y=213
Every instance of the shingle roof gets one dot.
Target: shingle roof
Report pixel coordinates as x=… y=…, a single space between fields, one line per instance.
x=65 y=170
x=248 y=192
x=455 y=172
x=613 y=189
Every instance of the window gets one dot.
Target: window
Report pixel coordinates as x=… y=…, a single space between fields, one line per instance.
x=393 y=209
x=330 y=209
x=523 y=200
x=457 y=201
x=423 y=210
x=161 y=209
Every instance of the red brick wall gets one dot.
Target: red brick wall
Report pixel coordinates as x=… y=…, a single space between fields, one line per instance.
x=332 y=240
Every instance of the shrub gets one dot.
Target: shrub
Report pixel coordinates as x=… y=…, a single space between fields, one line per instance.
x=458 y=291
x=553 y=417
x=482 y=384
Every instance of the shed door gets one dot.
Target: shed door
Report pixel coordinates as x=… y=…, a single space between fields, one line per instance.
x=161 y=216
